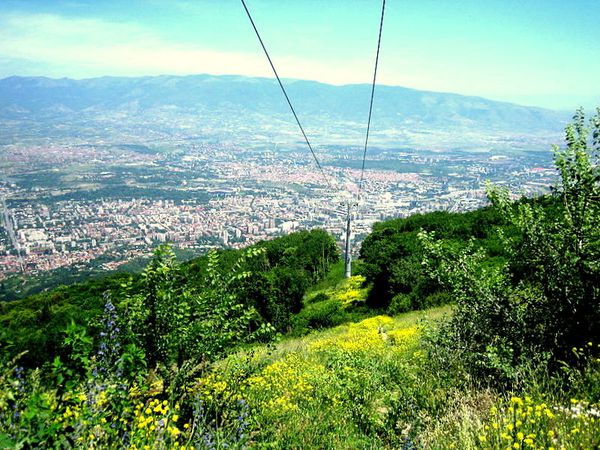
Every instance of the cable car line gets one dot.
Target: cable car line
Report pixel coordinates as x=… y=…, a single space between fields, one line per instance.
x=350 y=204
x=286 y=96
x=362 y=172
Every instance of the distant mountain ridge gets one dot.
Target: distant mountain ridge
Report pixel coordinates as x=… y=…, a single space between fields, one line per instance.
x=258 y=99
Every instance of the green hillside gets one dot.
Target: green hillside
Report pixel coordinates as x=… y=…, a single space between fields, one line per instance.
x=282 y=269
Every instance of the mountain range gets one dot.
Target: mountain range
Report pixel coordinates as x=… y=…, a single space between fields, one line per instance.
x=224 y=104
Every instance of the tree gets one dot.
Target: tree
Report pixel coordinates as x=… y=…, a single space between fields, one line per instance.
x=177 y=324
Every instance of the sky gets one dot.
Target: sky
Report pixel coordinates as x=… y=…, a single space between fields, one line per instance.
x=534 y=52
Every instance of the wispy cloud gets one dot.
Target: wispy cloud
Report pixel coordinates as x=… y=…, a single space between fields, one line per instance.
x=92 y=47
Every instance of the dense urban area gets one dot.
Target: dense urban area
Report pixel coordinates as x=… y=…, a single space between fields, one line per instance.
x=72 y=205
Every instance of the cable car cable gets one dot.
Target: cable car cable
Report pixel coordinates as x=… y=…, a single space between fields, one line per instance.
x=362 y=173
x=286 y=96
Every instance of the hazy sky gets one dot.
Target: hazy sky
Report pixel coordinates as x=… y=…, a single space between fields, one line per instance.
x=538 y=52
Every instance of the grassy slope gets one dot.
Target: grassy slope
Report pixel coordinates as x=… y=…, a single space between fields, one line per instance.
x=367 y=384
x=364 y=384
x=265 y=354
x=334 y=388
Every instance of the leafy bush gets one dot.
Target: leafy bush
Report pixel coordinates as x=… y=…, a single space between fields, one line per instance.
x=175 y=324
x=104 y=396
x=320 y=315
x=545 y=299
x=281 y=271
x=392 y=255
x=400 y=303
x=320 y=297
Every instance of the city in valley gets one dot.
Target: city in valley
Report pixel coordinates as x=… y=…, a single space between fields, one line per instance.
x=95 y=173
x=83 y=206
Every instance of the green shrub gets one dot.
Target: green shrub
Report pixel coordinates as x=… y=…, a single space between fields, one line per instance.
x=320 y=315
x=320 y=297
x=545 y=299
x=401 y=303
x=392 y=253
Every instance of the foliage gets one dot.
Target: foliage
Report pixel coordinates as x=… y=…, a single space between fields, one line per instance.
x=36 y=324
x=312 y=251
x=339 y=300
x=367 y=384
x=114 y=403
x=323 y=314
x=117 y=380
x=545 y=299
x=175 y=324
x=165 y=297
x=392 y=256
x=227 y=407
x=336 y=389
x=525 y=423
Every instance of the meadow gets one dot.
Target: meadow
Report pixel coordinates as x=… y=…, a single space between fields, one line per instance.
x=365 y=384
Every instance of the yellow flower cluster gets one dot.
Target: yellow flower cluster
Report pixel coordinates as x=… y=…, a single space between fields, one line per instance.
x=350 y=292
x=523 y=423
x=285 y=384
x=355 y=282
x=77 y=410
x=349 y=296
x=156 y=420
x=211 y=386
x=347 y=292
x=85 y=412
x=73 y=410
x=362 y=336
x=214 y=387
x=372 y=335
x=403 y=337
x=280 y=387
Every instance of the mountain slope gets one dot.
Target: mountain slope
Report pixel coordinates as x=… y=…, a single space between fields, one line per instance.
x=235 y=96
